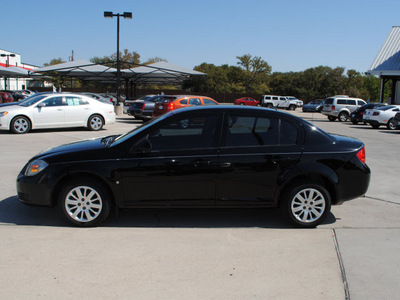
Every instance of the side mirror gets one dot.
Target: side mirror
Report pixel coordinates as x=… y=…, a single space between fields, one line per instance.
x=40 y=105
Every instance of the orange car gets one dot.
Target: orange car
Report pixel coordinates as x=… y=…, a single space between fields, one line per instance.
x=178 y=101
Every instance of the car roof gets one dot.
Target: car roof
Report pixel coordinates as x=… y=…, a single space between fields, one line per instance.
x=231 y=107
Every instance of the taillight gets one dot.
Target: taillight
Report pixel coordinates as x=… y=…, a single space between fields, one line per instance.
x=361 y=113
x=361 y=155
x=376 y=113
x=333 y=107
x=143 y=105
x=170 y=106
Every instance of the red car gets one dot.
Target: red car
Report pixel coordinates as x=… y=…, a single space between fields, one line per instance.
x=7 y=97
x=246 y=101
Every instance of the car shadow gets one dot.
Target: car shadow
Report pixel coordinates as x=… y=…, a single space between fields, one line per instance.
x=14 y=212
x=130 y=120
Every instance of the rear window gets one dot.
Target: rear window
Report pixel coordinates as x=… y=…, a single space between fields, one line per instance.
x=386 y=107
x=329 y=101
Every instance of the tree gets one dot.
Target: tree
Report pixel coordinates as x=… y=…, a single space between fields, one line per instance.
x=127 y=59
x=256 y=72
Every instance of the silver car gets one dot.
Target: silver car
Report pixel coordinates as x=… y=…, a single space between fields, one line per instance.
x=341 y=107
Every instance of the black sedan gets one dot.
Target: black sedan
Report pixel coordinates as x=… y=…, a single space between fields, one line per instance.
x=220 y=156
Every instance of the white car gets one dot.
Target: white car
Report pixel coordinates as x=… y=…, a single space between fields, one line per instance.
x=56 y=110
x=381 y=116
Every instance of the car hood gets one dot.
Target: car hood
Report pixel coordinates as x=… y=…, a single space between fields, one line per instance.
x=82 y=150
x=8 y=104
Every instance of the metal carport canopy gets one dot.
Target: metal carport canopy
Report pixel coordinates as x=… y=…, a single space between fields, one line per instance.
x=156 y=73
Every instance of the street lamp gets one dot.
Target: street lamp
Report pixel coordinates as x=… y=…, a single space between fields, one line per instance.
x=7 y=65
x=126 y=15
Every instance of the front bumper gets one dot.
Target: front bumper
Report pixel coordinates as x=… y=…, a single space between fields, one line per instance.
x=34 y=190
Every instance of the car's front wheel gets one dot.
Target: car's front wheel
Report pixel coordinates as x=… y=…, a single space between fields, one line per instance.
x=95 y=123
x=84 y=202
x=20 y=124
x=306 y=205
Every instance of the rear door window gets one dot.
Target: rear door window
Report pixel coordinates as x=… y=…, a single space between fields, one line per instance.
x=209 y=102
x=341 y=101
x=351 y=102
x=194 y=101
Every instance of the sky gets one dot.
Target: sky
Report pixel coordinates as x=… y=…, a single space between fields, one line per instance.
x=290 y=35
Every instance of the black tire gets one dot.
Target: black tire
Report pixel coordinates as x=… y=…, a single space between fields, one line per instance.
x=343 y=116
x=84 y=202
x=375 y=126
x=241 y=103
x=306 y=205
x=292 y=107
x=20 y=125
x=330 y=118
x=392 y=124
x=269 y=105
x=95 y=122
x=355 y=122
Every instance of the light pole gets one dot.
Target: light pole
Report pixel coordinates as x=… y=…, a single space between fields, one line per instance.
x=7 y=65
x=126 y=15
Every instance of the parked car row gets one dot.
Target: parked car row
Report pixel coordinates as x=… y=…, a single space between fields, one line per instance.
x=356 y=110
x=147 y=107
x=7 y=96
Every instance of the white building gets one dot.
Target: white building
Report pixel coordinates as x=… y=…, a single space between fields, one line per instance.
x=12 y=59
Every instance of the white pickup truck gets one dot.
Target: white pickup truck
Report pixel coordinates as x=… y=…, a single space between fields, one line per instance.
x=272 y=101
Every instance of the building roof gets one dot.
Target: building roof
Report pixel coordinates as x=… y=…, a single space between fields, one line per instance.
x=387 y=62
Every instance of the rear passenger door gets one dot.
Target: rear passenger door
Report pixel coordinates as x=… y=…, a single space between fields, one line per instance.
x=77 y=110
x=255 y=152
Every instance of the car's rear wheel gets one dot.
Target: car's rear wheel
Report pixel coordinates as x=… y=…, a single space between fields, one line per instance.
x=343 y=116
x=355 y=122
x=330 y=118
x=375 y=126
x=292 y=107
x=84 y=202
x=241 y=103
x=95 y=123
x=392 y=124
x=269 y=105
x=306 y=204
x=20 y=124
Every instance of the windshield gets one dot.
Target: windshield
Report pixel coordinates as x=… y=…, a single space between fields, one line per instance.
x=138 y=129
x=32 y=100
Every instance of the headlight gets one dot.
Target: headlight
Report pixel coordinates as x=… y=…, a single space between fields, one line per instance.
x=35 y=167
x=3 y=113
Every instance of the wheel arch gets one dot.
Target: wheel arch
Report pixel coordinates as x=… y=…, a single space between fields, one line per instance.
x=95 y=114
x=83 y=176
x=21 y=115
x=311 y=178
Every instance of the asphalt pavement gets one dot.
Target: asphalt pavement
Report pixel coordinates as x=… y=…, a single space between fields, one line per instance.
x=202 y=254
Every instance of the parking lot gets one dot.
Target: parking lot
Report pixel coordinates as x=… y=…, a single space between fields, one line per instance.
x=203 y=254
